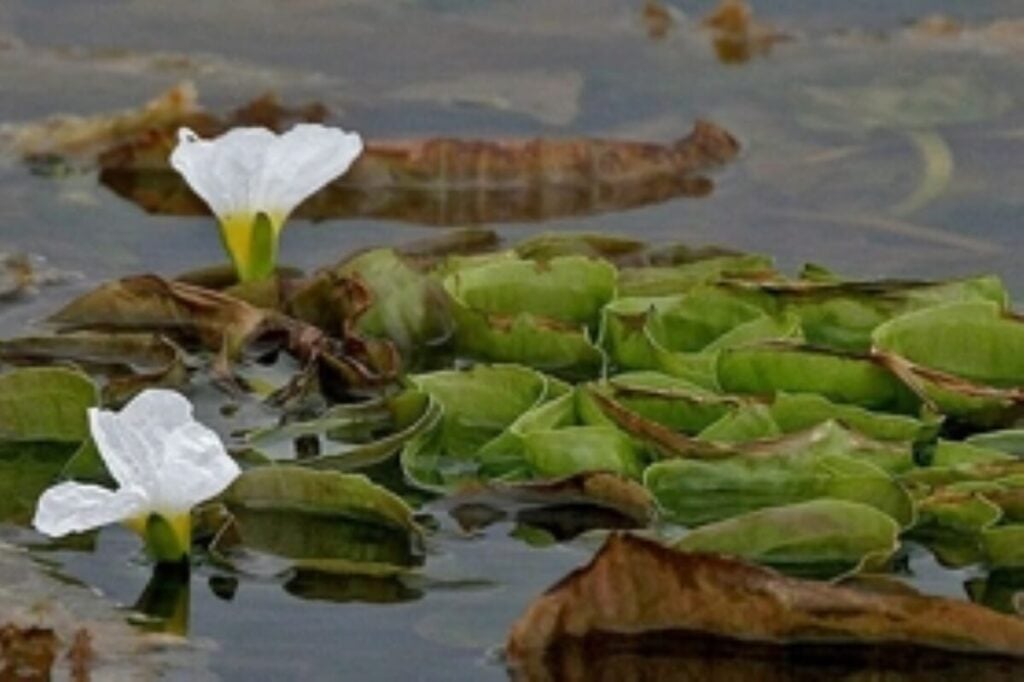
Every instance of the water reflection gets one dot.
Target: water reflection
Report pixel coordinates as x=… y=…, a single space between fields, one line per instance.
x=691 y=657
x=322 y=586
x=166 y=600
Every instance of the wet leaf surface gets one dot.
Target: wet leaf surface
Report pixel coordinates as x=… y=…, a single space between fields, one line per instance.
x=635 y=588
x=820 y=538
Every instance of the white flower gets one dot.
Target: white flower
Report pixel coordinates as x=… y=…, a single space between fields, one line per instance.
x=251 y=171
x=165 y=463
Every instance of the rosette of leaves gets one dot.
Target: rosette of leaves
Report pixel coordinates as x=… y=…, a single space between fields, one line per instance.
x=965 y=359
x=538 y=313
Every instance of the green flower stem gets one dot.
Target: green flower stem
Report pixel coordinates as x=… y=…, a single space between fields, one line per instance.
x=168 y=540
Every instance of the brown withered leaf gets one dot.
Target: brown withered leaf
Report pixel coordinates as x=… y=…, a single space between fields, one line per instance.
x=27 y=653
x=686 y=658
x=636 y=589
x=150 y=303
x=226 y=326
x=565 y=507
x=737 y=36
x=666 y=442
x=79 y=138
x=657 y=19
x=1005 y=35
x=80 y=656
x=449 y=181
x=130 y=362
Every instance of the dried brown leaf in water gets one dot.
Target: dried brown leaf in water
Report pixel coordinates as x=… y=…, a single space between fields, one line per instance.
x=657 y=19
x=737 y=36
x=130 y=362
x=80 y=655
x=450 y=181
x=1003 y=35
x=83 y=137
x=27 y=653
x=636 y=588
x=23 y=273
x=226 y=325
x=147 y=302
x=684 y=657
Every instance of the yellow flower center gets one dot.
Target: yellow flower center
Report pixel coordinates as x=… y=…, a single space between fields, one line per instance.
x=251 y=241
x=168 y=538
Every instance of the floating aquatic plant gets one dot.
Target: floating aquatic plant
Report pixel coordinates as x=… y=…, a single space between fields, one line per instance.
x=165 y=463
x=253 y=179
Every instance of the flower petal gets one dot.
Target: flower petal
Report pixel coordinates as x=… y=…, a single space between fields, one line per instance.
x=73 y=508
x=302 y=161
x=223 y=171
x=196 y=469
x=132 y=443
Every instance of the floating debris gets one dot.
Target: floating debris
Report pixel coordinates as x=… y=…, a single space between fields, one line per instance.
x=737 y=36
x=22 y=273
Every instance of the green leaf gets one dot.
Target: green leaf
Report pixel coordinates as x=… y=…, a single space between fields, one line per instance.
x=670 y=401
x=321 y=493
x=972 y=340
x=336 y=434
x=477 y=408
x=965 y=358
x=843 y=315
x=45 y=404
x=537 y=313
x=1004 y=546
x=824 y=537
x=26 y=470
x=570 y=289
x=693 y=492
x=553 y=453
x=1009 y=441
x=703 y=269
x=770 y=368
x=406 y=306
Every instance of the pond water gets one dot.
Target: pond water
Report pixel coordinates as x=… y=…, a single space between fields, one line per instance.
x=867 y=147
